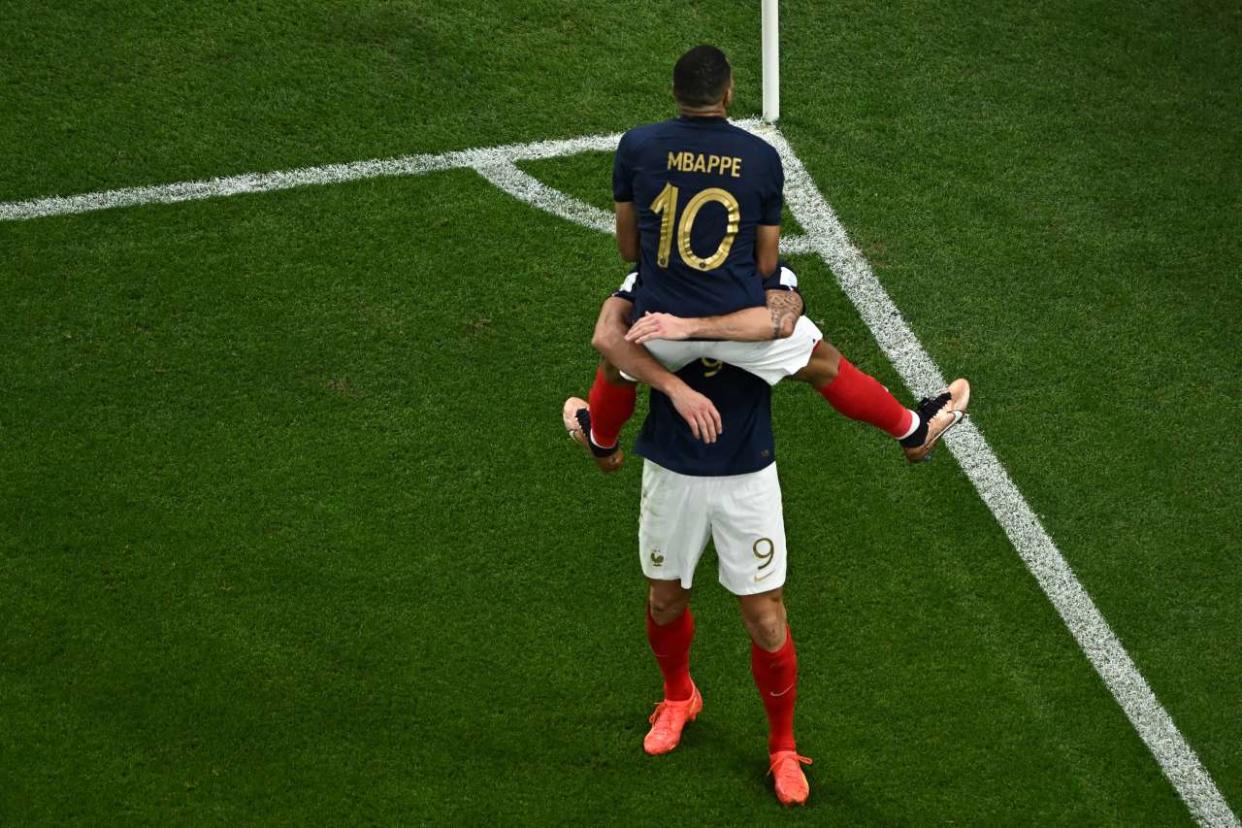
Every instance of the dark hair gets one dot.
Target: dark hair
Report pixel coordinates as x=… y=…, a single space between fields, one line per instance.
x=701 y=77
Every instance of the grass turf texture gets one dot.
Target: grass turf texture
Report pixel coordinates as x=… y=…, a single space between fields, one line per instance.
x=262 y=560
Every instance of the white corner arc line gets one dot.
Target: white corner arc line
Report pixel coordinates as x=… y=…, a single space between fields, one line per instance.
x=1095 y=637
x=525 y=187
x=826 y=237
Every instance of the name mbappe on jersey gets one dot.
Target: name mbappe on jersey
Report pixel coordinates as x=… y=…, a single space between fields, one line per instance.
x=700 y=187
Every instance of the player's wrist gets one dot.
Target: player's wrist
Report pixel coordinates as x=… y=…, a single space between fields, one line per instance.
x=696 y=327
x=671 y=386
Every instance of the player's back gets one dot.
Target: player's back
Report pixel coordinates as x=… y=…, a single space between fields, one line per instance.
x=700 y=187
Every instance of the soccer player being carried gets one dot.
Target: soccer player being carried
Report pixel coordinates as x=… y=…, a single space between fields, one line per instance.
x=698 y=206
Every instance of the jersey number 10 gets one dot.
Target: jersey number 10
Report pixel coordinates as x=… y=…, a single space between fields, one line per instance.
x=666 y=205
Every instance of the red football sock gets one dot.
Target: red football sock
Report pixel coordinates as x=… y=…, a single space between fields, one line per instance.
x=776 y=676
x=670 y=644
x=860 y=396
x=611 y=405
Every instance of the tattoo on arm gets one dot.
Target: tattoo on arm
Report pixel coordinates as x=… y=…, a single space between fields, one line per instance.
x=785 y=307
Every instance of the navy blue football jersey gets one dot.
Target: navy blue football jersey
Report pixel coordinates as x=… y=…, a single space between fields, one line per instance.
x=782 y=279
x=745 y=405
x=700 y=187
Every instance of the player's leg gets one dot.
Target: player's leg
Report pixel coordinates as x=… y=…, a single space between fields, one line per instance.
x=670 y=632
x=774 y=664
x=806 y=356
x=672 y=534
x=855 y=394
x=596 y=422
x=860 y=396
x=612 y=397
x=748 y=528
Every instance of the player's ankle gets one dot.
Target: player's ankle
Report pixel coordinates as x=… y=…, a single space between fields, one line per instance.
x=917 y=433
x=598 y=447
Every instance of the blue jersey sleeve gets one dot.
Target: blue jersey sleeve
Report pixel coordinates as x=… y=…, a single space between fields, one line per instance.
x=783 y=279
x=622 y=172
x=626 y=291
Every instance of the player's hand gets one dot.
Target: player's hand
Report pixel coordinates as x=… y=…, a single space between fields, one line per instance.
x=699 y=412
x=658 y=326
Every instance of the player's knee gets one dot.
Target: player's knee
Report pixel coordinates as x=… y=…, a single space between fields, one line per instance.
x=604 y=340
x=667 y=612
x=667 y=605
x=612 y=373
x=823 y=367
x=765 y=619
x=767 y=630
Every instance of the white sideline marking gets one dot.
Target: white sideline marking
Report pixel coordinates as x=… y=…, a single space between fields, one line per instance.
x=791 y=245
x=1085 y=622
x=827 y=237
x=302 y=177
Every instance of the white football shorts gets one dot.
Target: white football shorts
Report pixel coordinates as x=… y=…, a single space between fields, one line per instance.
x=741 y=513
x=770 y=361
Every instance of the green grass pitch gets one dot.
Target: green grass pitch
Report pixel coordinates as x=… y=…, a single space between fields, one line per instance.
x=290 y=532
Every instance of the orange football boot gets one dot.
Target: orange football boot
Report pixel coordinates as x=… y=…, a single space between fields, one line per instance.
x=941 y=413
x=668 y=720
x=576 y=415
x=791 y=785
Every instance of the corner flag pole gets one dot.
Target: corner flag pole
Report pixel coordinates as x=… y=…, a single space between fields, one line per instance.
x=771 y=63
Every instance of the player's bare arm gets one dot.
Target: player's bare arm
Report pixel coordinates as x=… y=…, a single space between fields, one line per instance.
x=784 y=308
x=636 y=362
x=627 y=230
x=767 y=248
x=776 y=320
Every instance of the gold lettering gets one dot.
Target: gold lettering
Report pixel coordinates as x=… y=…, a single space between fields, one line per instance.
x=686 y=161
x=666 y=203
x=712 y=194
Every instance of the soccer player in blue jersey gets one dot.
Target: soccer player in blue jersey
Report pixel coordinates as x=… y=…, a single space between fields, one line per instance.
x=698 y=205
x=727 y=491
